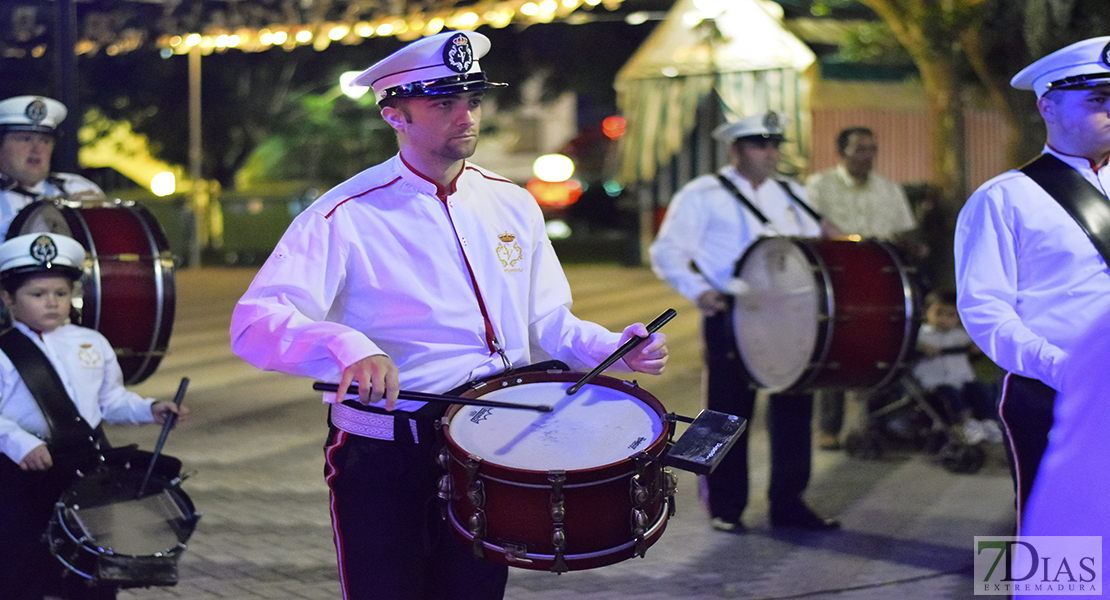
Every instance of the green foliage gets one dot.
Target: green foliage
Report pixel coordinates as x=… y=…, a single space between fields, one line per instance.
x=872 y=43
x=321 y=140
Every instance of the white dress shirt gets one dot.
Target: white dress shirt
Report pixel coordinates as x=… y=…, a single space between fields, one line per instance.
x=382 y=263
x=708 y=226
x=86 y=364
x=1029 y=279
x=58 y=185
x=877 y=209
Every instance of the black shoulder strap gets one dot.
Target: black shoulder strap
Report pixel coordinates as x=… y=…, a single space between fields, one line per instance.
x=69 y=432
x=805 y=206
x=743 y=200
x=1083 y=201
x=755 y=211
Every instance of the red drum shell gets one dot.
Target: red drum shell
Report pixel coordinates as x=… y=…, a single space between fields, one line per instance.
x=866 y=314
x=128 y=290
x=517 y=506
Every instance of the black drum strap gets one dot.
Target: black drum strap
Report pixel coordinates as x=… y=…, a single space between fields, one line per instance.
x=69 y=432
x=731 y=187
x=1083 y=201
x=805 y=206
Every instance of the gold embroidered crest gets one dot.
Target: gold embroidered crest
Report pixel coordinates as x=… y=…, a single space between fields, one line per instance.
x=88 y=355
x=509 y=252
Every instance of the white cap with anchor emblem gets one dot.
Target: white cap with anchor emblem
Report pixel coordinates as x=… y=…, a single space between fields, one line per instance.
x=31 y=113
x=445 y=63
x=1082 y=64
x=769 y=125
x=45 y=253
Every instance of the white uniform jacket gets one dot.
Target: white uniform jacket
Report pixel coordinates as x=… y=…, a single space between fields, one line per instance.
x=58 y=185
x=86 y=364
x=1029 y=279
x=706 y=225
x=390 y=263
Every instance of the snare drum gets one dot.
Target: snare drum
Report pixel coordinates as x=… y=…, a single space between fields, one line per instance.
x=127 y=291
x=102 y=532
x=824 y=313
x=571 y=489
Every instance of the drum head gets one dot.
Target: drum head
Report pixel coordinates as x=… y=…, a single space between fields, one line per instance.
x=777 y=325
x=41 y=217
x=594 y=427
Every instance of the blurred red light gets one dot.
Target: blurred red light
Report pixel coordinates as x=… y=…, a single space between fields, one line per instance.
x=613 y=127
x=554 y=193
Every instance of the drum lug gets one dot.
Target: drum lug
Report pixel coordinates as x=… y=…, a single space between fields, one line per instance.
x=473 y=463
x=476 y=526
x=444 y=487
x=558 y=513
x=559 y=541
x=639 y=527
x=476 y=494
x=558 y=500
x=670 y=483
x=638 y=493
x=444 y=459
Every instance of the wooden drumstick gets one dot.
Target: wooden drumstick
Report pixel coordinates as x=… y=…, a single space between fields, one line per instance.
x=170 y=420
x=321 y=386
x=625 y=348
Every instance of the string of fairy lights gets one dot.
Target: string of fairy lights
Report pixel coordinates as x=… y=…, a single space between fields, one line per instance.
x=409 y=27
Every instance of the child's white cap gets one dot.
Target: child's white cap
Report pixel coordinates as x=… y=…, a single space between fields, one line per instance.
x=46 y=253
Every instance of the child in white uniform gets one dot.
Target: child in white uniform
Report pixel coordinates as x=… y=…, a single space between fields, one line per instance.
x=37 y=273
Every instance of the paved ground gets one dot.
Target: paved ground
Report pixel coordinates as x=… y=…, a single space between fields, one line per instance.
x=254 y=441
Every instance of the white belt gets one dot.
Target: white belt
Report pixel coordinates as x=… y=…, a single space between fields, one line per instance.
x=366 y=424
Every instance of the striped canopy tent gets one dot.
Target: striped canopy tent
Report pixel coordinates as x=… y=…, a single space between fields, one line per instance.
x=734 y=50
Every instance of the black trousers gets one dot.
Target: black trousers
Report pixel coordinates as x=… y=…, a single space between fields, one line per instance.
x=390 y=540
x=27 y=569
x=1026 y=409
x=789 y=426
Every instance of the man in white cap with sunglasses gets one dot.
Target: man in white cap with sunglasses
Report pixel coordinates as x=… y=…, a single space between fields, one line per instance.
x=709 y=226
x=28 y=126
x=422 y=273
x=1031 y=249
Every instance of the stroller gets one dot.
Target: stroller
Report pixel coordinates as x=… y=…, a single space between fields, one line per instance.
x=905 y=414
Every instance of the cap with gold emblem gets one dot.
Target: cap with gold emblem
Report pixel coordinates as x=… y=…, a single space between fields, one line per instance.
x=445 y=63
x=31 y=113
x=765 y=125
x=46 y=253
x=1082 y=64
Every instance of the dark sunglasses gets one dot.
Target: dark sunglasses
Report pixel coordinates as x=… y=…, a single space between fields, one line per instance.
x=762 y=142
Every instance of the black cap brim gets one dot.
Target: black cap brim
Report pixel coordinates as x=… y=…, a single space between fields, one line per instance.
x=470 y=82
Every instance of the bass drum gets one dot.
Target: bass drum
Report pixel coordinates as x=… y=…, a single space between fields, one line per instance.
x=576 y=488
x=824 y=313
x=127 y=292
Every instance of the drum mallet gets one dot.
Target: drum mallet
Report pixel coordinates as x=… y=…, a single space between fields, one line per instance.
x=625 y=348
x=170 y=420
